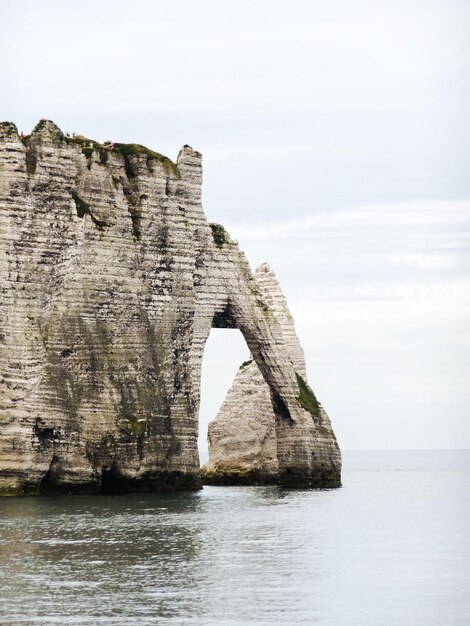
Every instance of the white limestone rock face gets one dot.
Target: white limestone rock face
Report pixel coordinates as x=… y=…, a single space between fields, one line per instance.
x=243 y=436
x=111 y=279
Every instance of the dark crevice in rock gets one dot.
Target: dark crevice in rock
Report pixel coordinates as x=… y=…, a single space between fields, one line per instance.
x=136 y=220
x=279 y=406
x=55 y=482
x=45 y=434
x=31 y=158
x=48 y=483
x=83 y=208
x=224 y=318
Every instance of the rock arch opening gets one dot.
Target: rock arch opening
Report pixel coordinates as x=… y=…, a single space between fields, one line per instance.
x=224 y=352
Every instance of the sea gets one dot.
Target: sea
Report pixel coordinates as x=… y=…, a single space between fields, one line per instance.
x=391 y=547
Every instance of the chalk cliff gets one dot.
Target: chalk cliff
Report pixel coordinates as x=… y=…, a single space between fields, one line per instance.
x=111 y=279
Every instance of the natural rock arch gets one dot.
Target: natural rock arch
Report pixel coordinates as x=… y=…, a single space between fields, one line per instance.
x=245 y=437
x=111 y=280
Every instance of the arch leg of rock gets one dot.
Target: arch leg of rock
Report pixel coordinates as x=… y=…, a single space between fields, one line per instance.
x=262 y=433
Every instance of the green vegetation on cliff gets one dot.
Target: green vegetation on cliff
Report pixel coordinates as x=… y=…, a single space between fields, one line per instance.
x=134 y=426
x=128 y=150
x=307 y=399
x=219 y=234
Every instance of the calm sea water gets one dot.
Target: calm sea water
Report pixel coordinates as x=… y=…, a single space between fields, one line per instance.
x=391 y=547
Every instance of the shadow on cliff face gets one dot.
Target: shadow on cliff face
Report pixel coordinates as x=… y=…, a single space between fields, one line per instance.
x=112 y=481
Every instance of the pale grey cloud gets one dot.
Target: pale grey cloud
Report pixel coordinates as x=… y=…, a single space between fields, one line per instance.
x=454 y=216
x=425 y=260
x=335 y=142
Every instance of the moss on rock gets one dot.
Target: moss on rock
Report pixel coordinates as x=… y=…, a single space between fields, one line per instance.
x=219 y=234
x=129 y=150
x=307 y=399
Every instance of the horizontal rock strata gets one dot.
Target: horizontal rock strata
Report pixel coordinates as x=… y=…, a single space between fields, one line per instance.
x=111 y=279
x=243 y=446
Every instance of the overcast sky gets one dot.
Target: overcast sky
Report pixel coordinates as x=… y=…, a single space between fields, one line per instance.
x=335 y=137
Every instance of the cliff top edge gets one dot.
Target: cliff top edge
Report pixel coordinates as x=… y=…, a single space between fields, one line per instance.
x=47 y=129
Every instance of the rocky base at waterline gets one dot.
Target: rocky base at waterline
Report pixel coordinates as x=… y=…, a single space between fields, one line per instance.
x=111 y=280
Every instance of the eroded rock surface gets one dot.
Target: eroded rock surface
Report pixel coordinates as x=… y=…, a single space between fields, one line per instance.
x=111 y=279
x=243 y=437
